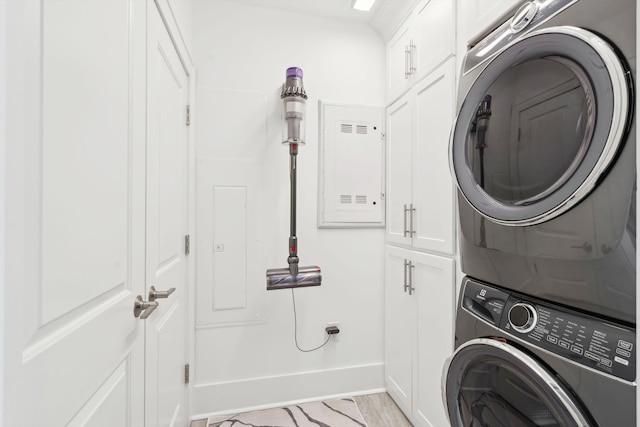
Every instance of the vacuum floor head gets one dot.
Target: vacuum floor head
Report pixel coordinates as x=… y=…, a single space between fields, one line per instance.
x=281 y=278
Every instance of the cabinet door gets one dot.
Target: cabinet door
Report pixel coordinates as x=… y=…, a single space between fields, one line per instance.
x=433 y=279
x=400 y=326
x=434 y=34
x=399 y=188
x=397 y=63
x=434 y=215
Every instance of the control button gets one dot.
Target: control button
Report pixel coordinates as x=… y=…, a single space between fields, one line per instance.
x=606 y=362
x=522 y=18
x=576 y=349
x=552 y=339
x=625 y=345
x=592 y=356
x=523 y=317
x=622 y=352
x=621 y=361
x=564 y=344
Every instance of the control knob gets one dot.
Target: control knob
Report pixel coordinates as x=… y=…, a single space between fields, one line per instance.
x=523 y=17
x=523 y=317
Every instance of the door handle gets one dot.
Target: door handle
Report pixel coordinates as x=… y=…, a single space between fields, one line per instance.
x=142 y=309
x=154 y=295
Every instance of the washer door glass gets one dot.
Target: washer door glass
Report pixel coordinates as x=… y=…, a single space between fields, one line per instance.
x=490 y=383
x=540 y=125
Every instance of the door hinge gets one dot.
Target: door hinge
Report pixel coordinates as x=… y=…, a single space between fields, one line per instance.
x=188 y=115
x=186 y=373
x=187 y=244
x=382 y=136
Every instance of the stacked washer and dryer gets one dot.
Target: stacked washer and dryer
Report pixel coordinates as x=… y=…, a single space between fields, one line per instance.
x=544 y=155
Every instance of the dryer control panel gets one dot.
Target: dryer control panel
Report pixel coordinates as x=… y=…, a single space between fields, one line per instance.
x=530 y=15
x=586 y=340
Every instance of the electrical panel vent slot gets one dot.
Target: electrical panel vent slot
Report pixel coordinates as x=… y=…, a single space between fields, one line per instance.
x=345 y=199
x=346 y=128
x=362 y=130
x=361 y=200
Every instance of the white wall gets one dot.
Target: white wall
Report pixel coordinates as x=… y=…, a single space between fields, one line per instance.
x=243 y=51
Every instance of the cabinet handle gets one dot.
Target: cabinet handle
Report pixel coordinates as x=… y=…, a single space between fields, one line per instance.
x=406 y=285
x=412 y=51
x=404 y=218
x=411 y=288
x=412 y=210
x=407 y=53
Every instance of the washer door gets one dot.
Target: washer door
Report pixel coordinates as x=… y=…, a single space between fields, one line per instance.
x=491 y=383
x=540 y=125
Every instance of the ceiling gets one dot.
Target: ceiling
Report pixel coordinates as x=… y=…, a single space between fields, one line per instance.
x=385 y=16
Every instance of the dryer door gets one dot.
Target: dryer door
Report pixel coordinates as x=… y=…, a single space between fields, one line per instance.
x=491 y=383
x=540 y=125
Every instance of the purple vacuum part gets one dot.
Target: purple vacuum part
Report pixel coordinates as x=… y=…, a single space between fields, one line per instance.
x=293 y=85
x=294 y=72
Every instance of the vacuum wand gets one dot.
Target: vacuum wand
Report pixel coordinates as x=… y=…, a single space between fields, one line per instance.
x=293 y=239
x=293 y=96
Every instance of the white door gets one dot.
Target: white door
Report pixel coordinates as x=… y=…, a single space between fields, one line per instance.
x=433 y=189
x=399 y=186
x=74 y=213
x=400 y=326
x=167 y=144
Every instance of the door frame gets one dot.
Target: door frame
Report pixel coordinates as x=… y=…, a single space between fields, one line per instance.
x=171 y=24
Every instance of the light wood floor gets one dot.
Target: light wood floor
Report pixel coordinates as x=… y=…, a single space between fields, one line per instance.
x=378 y=410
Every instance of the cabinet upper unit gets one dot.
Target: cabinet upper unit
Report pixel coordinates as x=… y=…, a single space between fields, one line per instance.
x=423 y=42
x=420 y=203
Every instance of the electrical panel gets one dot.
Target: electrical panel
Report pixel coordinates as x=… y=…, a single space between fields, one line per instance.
x=351 y=170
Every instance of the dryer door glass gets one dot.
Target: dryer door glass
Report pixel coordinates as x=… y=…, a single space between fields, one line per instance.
x=489 y=383
x=539 y=126
x=531 y=131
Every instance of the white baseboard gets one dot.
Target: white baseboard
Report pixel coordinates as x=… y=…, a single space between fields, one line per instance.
x=276 y=391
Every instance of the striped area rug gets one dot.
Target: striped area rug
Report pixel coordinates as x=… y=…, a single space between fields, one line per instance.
x=329 y=413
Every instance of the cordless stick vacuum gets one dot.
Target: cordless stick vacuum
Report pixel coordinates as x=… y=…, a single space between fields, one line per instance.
x=294 y=105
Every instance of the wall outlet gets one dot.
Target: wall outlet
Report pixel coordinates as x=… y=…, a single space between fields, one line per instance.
x=335 y=337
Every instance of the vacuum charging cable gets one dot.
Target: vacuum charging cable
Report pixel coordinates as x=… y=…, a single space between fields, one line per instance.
x=295 y=326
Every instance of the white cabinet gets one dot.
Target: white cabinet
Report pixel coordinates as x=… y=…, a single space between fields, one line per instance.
x=400 y=328
x=434 y=34
x=398 y=58
x=419 y=297
x=478 y=17
x=420 y=202
x=425 y=40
